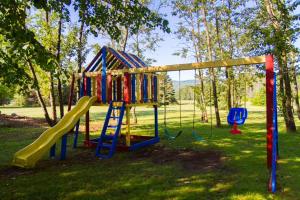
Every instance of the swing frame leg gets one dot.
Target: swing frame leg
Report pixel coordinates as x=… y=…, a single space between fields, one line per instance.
x=235 y=129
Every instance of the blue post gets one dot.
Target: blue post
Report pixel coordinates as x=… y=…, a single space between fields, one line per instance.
x=155 y=88
x=81 y=93
x=133 y=80
x=76 y=134
x=275 y=139
x=103 y=80
x=145 y=88
x=52 y=151
x=88 y=86
x=63 y=150
x=156 y=120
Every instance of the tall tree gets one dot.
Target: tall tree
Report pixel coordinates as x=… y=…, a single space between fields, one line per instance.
x=277 y=36
x=294 y=79
x=21 y=47
x=189 y=28
x=210 y=57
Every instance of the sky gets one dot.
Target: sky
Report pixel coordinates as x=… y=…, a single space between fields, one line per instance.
x=164 y=54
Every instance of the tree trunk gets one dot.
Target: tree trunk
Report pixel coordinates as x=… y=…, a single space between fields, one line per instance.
x=125 y=39
x=39 y=94
x=52 y=98
x=59 y=84
x=204 y=116
x=285 y=83
x=288 y=91
x=196 y=43
x=80 y=49
x=296 y=88
x=212 y=72
x=222 y=57
x=51 y=87
x=229 y=71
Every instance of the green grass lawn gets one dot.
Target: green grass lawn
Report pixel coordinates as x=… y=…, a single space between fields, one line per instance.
x=82 y=176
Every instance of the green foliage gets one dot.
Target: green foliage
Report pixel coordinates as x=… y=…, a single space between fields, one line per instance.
x=272 y=34
x=20 y=44
x=19 y=100
x=6 y=94
x=186 y=93
x=167 y=91
x=259 y=98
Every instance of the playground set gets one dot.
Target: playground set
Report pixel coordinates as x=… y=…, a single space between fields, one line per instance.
x=122 y=81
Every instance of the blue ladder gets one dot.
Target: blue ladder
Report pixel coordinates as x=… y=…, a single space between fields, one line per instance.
x=109 y=142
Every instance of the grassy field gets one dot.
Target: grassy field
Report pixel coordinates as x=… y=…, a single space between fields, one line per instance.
x=243 y=174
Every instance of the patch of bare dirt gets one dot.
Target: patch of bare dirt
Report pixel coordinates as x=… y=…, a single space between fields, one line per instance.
x=20 y=121
x=84 y=157
x=11 y=172
x=188 y=159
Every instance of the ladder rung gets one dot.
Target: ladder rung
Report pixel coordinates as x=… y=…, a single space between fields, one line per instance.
x=104 y=145
x=110 y=126
x=110 y=137
x=115 y=117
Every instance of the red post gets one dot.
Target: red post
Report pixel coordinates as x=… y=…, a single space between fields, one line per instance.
x=119 y=88
x=87 y=129
x=99 y=88
x=269 y=96
x=127 y=88
x=109 y=88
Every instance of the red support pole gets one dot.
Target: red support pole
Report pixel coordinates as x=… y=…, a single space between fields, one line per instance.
x=119 y=88
x=87 y=129
x=99 y=88
x=269 y=96
x=127 y=88
x=109 y=88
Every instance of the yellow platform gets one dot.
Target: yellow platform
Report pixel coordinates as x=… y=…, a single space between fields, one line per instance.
x=28 y=156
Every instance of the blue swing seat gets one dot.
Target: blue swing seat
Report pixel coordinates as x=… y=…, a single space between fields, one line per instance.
x=238 y=115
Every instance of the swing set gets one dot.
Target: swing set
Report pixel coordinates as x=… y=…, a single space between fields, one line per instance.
x=131 y=89
x=122 y=81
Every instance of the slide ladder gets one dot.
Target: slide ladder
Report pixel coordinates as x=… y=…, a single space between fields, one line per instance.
x=108 y=142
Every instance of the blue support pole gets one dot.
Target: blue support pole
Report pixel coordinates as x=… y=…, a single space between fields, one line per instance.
x=155 y=88
x=133 y=80
x=275 y=140
x=76 y=135
x=103 y=80
x=81 y=92
x=63 y=150
x=145 y=88
x=88 y=86
x=156 y=120
x=52 y=151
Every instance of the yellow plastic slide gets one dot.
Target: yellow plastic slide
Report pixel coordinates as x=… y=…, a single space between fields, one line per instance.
x=28 y=156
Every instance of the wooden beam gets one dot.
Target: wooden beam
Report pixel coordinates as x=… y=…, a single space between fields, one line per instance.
x=187 y=66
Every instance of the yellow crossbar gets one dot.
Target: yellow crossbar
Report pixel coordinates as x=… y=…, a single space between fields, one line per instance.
x=187 y=66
